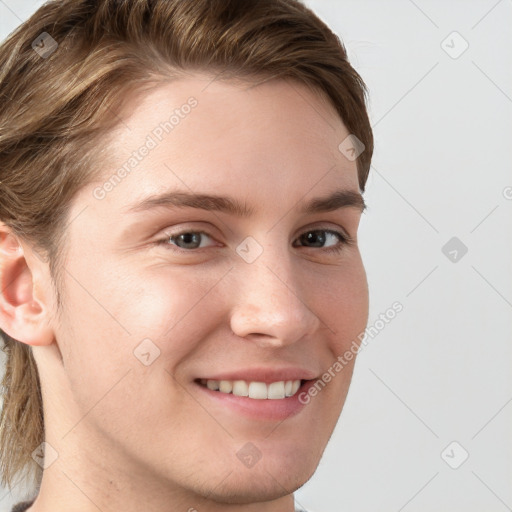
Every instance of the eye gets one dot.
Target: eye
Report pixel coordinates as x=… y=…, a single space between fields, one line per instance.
x=186 y=240
x=318 y=237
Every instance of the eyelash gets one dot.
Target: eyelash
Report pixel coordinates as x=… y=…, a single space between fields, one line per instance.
x=344 y=240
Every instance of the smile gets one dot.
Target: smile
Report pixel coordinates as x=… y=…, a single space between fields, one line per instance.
x=252 y=389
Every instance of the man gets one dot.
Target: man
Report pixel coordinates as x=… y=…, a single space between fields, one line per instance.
x=186 y=269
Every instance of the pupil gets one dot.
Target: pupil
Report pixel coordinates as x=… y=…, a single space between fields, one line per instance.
x=187 y=238
x=311 y=236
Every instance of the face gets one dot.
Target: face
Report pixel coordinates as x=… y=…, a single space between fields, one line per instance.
x=167 y=299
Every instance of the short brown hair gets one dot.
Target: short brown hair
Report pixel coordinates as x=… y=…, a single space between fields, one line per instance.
x=57 y=110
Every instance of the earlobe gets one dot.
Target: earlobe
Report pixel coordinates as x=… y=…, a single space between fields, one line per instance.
x=23 y=314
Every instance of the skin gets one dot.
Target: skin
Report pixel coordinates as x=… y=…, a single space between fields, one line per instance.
x=133 y=437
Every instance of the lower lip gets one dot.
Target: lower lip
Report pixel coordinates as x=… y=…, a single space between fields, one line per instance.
x=260 y=409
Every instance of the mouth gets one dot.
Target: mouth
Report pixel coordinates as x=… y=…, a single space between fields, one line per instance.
x=277 y=390
x=259 y=393
x=259 y=401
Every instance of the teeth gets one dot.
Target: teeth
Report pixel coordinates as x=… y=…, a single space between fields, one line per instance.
x=225 y=386
x=256 y=390
x=276 y=390
x=213 y=384
x=295 y=386
x=240 y=388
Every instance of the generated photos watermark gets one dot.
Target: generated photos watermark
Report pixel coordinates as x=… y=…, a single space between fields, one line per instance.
x=356 y=347
x=153 y=138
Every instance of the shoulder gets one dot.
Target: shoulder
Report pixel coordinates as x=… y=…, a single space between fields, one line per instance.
x=22 y=506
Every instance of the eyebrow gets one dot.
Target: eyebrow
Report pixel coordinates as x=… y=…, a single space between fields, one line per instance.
x=335 y=200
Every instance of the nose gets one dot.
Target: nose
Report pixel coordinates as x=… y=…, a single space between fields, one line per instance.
x=271 y=306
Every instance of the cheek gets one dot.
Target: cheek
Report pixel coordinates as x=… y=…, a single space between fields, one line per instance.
x=352 y=318
x=169 y=312
x=110 y=311
x=105 y=323
x=356 y=303
x=344 y=305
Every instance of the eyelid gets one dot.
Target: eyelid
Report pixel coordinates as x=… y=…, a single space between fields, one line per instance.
x=329 y=229
x=345 y=238
x=168 y=235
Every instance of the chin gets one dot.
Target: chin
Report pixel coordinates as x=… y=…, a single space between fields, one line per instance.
x=272 y=477
x=245 y=487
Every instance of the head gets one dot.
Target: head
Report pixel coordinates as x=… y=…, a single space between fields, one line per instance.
x=122 y=294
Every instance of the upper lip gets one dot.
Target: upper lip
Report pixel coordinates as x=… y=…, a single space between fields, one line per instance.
x=267 y=375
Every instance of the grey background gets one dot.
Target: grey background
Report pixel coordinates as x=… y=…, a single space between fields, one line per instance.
x=434 y=385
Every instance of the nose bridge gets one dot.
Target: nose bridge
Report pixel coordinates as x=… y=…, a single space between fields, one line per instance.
x=269 y=300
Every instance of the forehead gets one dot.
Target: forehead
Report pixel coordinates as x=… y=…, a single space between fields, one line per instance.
x=231 y=138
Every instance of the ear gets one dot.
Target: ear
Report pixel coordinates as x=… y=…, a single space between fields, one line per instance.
x=24 y=314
